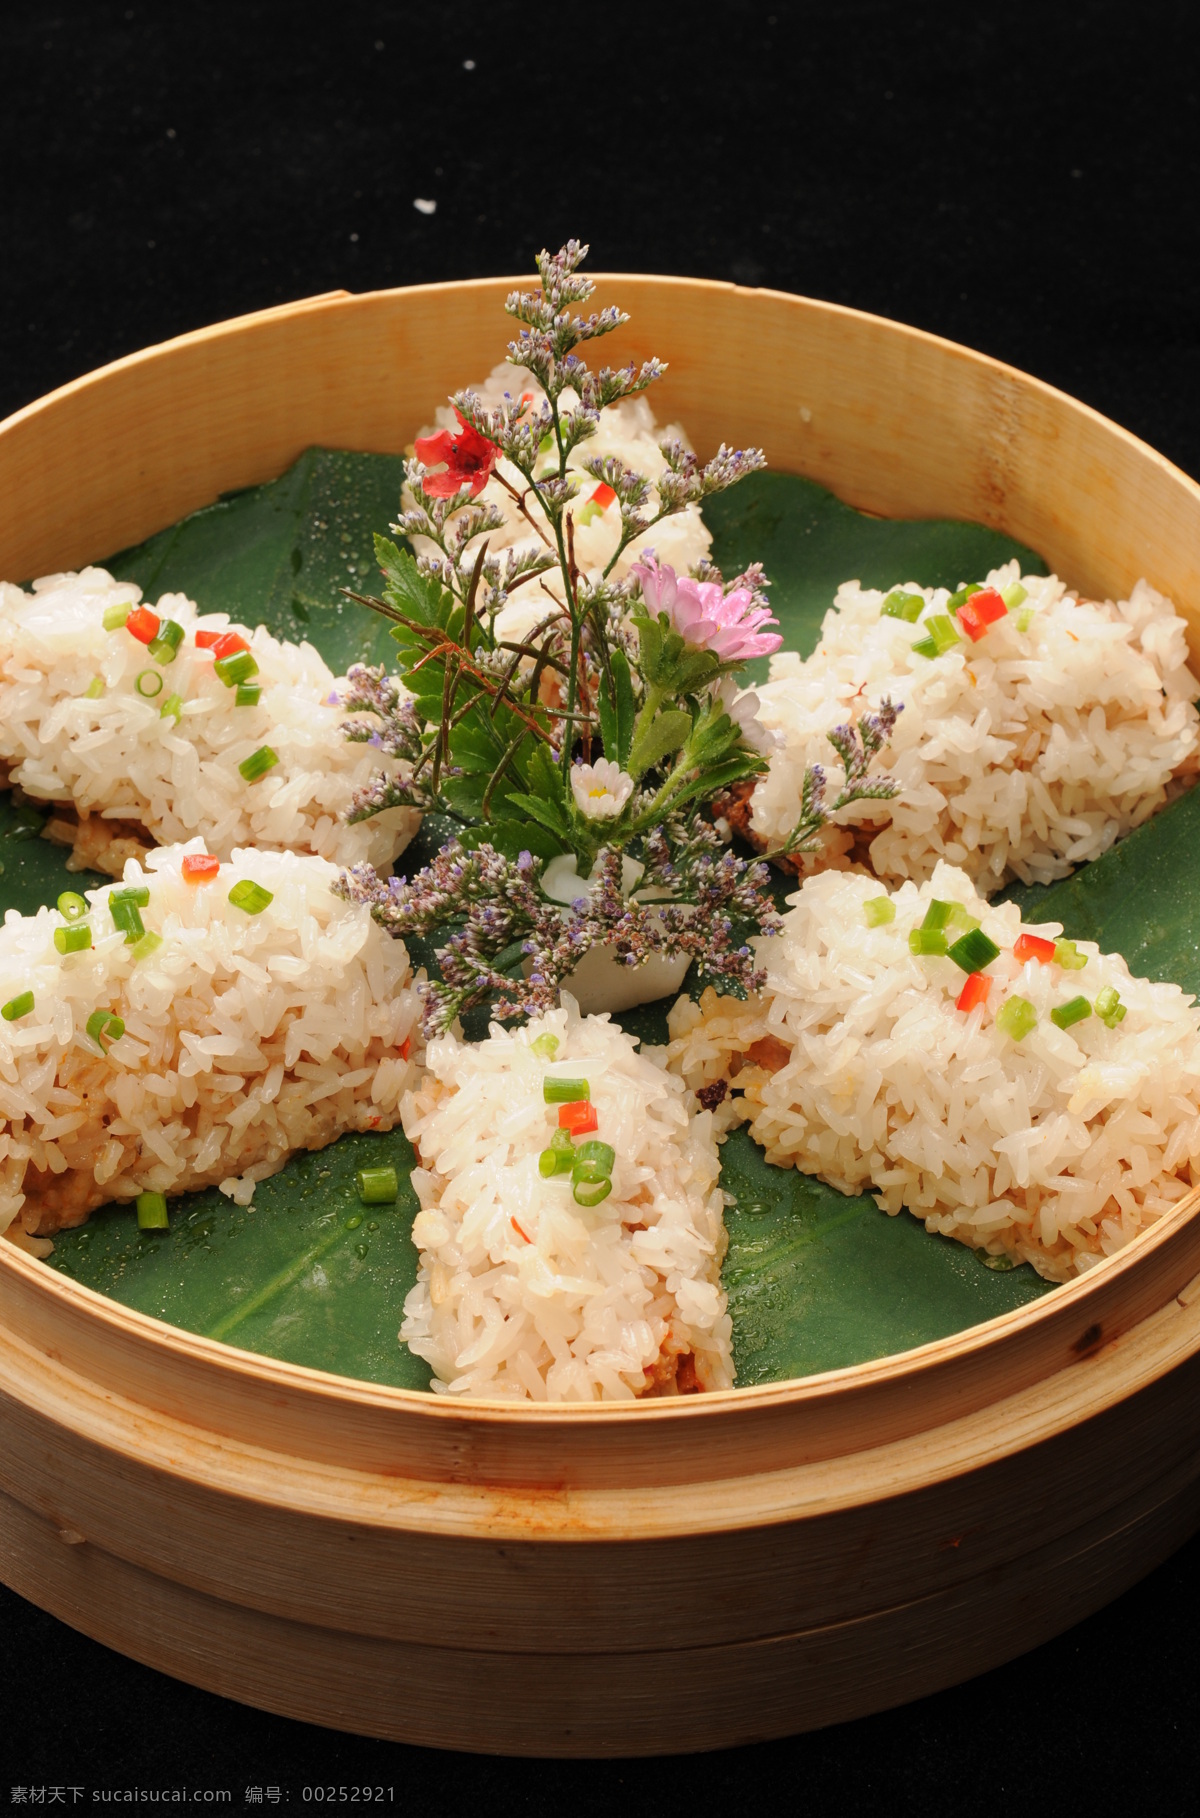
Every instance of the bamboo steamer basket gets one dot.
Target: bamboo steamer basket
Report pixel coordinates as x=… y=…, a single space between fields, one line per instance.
x=613 y=1580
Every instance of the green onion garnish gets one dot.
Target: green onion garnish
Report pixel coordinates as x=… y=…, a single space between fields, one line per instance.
x=73 y=940
x=149 y=684
x=545 y=1046
x=94 y=689
x=173 y=705
x=1109 y=1007
x=127 y=917
x=258 y=763
x=926 y=941
x=1014 y=595
x=377 y=1186
x=941 y=630
x=901 y=605
x=236 y=668
x=565 y=1091
x=149 y=943
x=115 y=616
x=104 y=1028
x=937 y=914
x=247 y=694
x=553 y=1161
x=72 y=906
x=877 y=910
x=1024 y=618
x=1068 y=956
x=925 y=647
x=963 y=595
x=131 y=893
x=152 y=1212
x=563 y=1141
x=1072 y=1012
x=959 y=918
x=591 y=1192
x=590 y=1172
x=601 y=1155
x=1016 y=1017
x=251 y=897
x=973 y=951
x=164 y=646
x=17 y=1007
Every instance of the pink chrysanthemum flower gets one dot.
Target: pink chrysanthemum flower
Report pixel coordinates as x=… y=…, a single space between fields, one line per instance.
x=705 y=616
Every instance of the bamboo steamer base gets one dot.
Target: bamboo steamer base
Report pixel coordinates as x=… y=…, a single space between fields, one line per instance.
x=610 y=1581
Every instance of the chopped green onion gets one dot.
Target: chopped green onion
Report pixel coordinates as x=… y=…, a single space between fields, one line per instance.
x=258 y=763
x=127 y=917
x=591 y=1192
x=1016 y=1017
x=149 y=943
x=73 y=940
x=565 y=1091
x=941 y=630
x=247 y=694
x=236 y=668
x=1000 y=1263
x=104 y=1027
x=589 y=513
x=901 y=605
x=152 y=1212
x=925 y=647
x=553 y=1161
x=563 y=1141
x=377 y=1186
x=546 y=443
x=164 y=647
x=72 y=906
x=1072 y=1012
x=938 y=914
x=1024 y=618
x=959 y=918
x=973 y=951
x=545 y=1046
x=1109 y=1007
x=590 y=1172
x=926 y=941
x=143 y=682
x=94 y=689
x=250 y=896
x=115 y=616
x=1068 y=956
x=603 y=1155
x=877 y=910
x=173 y=705
x=1014 y=595
x=17 y=1007
x=131 y=893
x=963 y=595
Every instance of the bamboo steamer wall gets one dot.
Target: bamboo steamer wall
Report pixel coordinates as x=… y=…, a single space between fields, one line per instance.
x=520 y=1580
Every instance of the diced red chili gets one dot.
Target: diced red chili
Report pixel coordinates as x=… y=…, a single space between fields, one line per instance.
x=980 y=611
x=228 y=644
x=143 y=623
x=206 y=639
x=603 y=496
x=406 y=1047
x=975 y=991
x=578 y=1117
x=516 y=1227
x=198 y=866
x=1032 y=946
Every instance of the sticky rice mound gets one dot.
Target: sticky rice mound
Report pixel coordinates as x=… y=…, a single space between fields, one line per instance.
x=522 y=1293
x=246 y=1036
x=1022 y=755
x=135 y=777
x=856 y=1064
x=628 y=430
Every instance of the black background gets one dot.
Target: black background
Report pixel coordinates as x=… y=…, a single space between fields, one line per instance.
x=1021 y=179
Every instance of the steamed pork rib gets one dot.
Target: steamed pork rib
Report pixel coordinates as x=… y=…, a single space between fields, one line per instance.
x=154 y=727
x=1037 y=726
x=1018 y=1091
x=191 y=1027
x=571 y=1230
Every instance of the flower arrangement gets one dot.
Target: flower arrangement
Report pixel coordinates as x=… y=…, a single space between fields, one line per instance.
x=580 y=741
